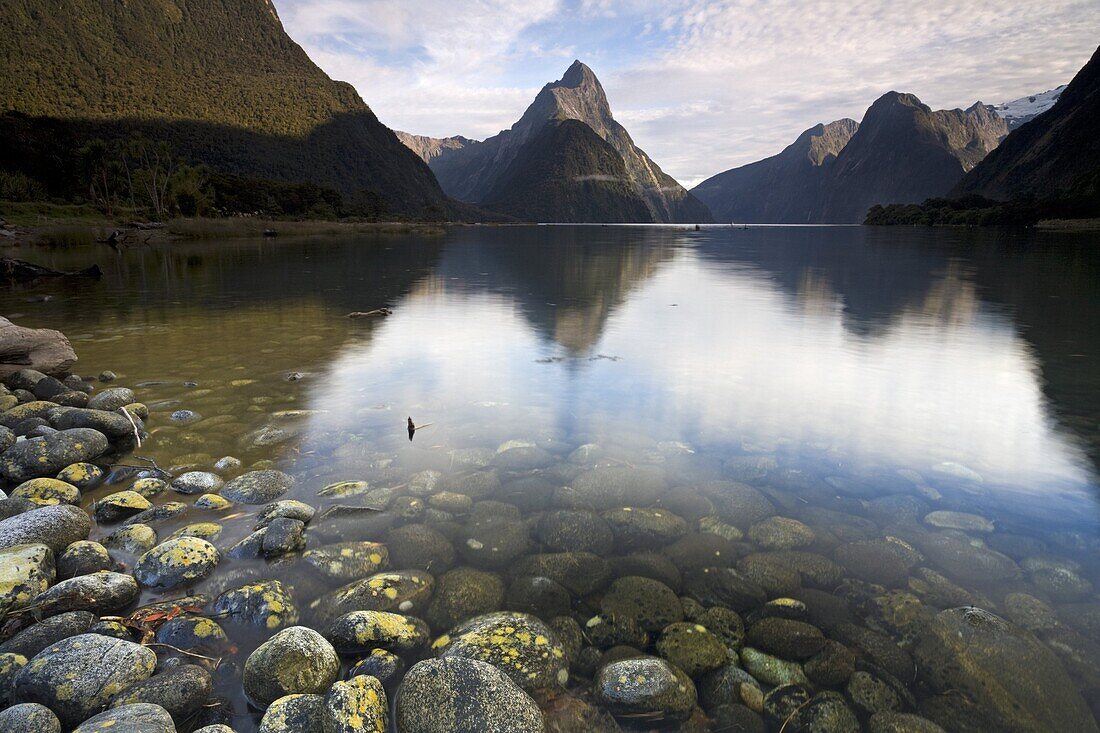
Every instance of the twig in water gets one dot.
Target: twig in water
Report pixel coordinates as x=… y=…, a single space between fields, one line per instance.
x=137 y=433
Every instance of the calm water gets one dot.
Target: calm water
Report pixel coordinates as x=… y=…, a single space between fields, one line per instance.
x=829 y=367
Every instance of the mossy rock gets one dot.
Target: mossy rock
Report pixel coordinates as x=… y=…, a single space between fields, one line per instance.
x=362 y=631
x=133 y=718
x=83 y=558
x=29 y=717
x=296 y=660
x=650 y=603
x=459 y=695
x=267 y=604
x=345 y=561
x=294 y=714
x=120 y=505
x=80 y=675
x=47 y=492
x=82 y=475
x=520 y=645
x=25 y=571
x=692 y=648
x=405 y=591
x=134 y=539
x=101 y=593
x=357 y=705
x=257 y=487
x=463 y=593
x=176 y=562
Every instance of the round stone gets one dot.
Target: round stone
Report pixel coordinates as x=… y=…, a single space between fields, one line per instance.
x=47 y=492
x=781 y=533
x=297 y=660
x=172 y=563
x=267 y=604
x=403 y=591
x=29 y=717
x=257 y=487
x=459 y=695
x=197 y=482
x=520 y=645
x=83 y=558
x=25 y=572
x=649 y=603
x=786 y=638
x=345 y=561
x=294 y=714
x=463 y=593
x=691 y=648
x=120 y=505
x=135 y=718
x=78 y=676
x=645 y=687
x=362 y=631
x=57 y=527
x=355 y=706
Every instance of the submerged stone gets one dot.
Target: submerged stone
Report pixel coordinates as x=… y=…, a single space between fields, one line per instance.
x=294 y=714
x=405 y=591
x=133 y=718
x=101 y=593
x=267 y=605
x=645 y=687
x=1008 y=673
x=257 y=487
x=344 y=561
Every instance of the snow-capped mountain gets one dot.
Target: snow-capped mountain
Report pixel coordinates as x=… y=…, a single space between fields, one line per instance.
x=1021 y=110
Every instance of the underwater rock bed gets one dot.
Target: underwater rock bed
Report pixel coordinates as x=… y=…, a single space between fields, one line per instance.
x=541 y=585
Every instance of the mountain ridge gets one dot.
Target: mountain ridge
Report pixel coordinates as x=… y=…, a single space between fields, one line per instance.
x=222 y=82
x=472 y=172
x=902 y=150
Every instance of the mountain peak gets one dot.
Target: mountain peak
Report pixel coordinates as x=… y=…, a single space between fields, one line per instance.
x=577 y=75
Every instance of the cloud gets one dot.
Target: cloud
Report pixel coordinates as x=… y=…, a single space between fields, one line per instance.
x=701 y=85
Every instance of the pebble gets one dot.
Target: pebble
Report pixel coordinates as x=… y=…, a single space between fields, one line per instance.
x=645 y=687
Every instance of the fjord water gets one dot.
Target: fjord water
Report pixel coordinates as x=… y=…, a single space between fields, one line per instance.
x=860 y=378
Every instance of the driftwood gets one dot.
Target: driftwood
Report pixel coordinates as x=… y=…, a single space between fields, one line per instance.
x=12 y=270
x=376 y=313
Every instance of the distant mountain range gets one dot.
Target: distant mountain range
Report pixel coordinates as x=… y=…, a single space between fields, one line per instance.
x=566 y=159
x=221 y=82
x=902 y=151
x=1055 y=153
x=1024 y=109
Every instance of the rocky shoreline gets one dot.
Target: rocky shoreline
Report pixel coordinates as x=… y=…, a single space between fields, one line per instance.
x=521 y=593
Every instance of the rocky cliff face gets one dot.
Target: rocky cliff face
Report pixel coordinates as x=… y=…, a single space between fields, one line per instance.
x=785 y=188
x=472 y=172
x=432 y=147
x=221 y=81
x=902 y=152
x=1056 y=152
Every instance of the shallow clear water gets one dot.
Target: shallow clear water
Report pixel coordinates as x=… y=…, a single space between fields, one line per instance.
x=829 y=367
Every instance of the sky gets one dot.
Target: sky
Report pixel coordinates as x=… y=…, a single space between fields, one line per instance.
x=701 y=85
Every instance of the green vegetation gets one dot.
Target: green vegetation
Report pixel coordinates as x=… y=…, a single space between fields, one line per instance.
x=1080 y=202
x=568 y=173
x=206 y=84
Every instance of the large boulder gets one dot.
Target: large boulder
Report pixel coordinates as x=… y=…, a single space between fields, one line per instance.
x=57 y=527
x=46 y=456
x=295 y=661
x=520 y=645
x=1016 y=681
x=80 y=675
x=459 y=695
x=41 y=349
